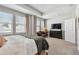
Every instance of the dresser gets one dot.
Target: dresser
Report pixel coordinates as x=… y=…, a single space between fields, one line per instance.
x=55 y=33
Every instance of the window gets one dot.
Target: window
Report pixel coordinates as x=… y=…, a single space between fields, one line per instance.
x=10 y=23
x=42 y=24
x=6 y=22
x=38 y=25
x=20 y=23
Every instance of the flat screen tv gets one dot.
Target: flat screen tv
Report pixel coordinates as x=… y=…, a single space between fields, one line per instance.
x=56 y=26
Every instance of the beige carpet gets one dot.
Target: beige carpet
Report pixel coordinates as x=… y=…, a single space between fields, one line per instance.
x=61 y=47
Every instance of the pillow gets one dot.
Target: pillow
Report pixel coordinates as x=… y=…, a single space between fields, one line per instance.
x=2 y=41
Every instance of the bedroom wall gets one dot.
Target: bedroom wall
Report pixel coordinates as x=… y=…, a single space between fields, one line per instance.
x=77 y=14
x=53 y=21
x=78 y=36
x=70 y=30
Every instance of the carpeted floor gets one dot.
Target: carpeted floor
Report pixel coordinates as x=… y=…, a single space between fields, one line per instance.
x=61 y=47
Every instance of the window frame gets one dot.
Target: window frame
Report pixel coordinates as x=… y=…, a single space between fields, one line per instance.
x=6 y=13
x=20 y=24
x=40 y=24
x=13 y=23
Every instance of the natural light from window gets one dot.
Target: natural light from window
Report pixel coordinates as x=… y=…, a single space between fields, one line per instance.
x=5 y=22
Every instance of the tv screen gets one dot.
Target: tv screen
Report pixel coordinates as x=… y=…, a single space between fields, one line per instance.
x=56 y=26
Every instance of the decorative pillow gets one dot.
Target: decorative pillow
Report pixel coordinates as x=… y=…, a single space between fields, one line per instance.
x=2 y=41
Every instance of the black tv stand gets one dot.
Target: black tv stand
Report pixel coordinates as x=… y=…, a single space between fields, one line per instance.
x=55 y=33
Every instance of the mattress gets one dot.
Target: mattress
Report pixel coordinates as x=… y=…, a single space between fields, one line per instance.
x=18 y=45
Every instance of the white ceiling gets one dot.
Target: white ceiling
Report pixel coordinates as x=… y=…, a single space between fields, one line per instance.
x=55 y=10
x=47 y=7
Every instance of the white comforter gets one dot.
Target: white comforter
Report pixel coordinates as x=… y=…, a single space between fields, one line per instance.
x=18 y=45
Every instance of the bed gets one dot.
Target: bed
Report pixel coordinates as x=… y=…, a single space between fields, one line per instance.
x=21 y=45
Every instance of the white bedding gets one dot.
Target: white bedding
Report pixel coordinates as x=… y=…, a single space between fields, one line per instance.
x=18 y=45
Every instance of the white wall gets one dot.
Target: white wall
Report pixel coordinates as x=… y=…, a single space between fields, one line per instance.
x=53 y=21
x=70 y=30
x=78 y=37
x=77 y=14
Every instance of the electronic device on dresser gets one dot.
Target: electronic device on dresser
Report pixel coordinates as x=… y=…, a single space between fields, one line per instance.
x=56 y=30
